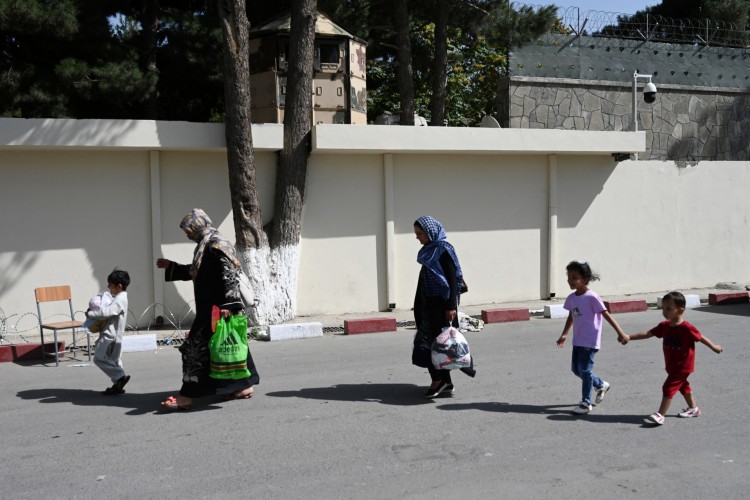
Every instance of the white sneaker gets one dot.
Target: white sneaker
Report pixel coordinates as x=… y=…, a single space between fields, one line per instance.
x=689 y=412
x=582 y=409
x=655 y=418
x=601 y=392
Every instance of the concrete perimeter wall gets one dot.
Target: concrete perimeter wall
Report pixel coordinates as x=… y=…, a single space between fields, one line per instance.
x=81 y=197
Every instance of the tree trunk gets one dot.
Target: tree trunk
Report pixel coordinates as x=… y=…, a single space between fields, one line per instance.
x=251 y=240
x=279 y=299
x=404 y=75
x=248 y=225
x=271 y=263
x=150 y=24
x=290 y=181
x=440 y=73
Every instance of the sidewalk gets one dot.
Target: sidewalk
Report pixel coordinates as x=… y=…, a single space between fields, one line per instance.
x=333 y=322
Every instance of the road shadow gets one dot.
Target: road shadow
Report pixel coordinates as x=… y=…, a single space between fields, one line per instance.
x=136 y=404
x=49 y=362
x=555 y=412
x=732 y=309
x=388 y=394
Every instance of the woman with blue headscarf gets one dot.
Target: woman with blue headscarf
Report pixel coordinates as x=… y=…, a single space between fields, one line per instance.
x=437 y=298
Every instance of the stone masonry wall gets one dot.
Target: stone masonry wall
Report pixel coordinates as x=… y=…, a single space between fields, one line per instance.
x=684 y=123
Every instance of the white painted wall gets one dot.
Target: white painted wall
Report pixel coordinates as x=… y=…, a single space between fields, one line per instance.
x=77 y=199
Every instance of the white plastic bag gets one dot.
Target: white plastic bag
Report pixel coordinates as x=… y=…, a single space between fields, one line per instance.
x=450 y=350
x=96 y=303
x=468 y=323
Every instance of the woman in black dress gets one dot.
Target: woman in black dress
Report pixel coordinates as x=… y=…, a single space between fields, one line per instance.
x=214 y=273
x=436 y=301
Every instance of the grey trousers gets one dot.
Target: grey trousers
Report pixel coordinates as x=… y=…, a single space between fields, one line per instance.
x=107 y=357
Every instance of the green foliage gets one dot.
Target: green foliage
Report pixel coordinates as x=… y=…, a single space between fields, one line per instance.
x=93 y=59
x=64 y=59
x=478 y=47
x=559 y=28
x=38 y=16
x=382 y=89
x=472 y=83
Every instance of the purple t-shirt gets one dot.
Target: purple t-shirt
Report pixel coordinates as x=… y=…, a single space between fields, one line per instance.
x=587 y=312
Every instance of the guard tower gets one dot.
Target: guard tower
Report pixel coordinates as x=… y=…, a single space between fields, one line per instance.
x=339 y=79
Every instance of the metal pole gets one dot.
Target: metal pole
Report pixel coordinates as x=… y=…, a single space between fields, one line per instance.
x=635 y=106
x=635 y=101
x=636 y=76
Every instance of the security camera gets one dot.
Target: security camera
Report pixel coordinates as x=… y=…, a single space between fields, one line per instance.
x=649 y=93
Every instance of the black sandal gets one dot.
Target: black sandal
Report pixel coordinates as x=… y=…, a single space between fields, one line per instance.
x=120 y=384
x=117 y=387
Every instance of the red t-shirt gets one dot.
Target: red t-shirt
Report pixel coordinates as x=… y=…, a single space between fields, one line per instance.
x=679 y=345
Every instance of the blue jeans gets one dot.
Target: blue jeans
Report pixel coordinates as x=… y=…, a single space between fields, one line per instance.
x=582 y=366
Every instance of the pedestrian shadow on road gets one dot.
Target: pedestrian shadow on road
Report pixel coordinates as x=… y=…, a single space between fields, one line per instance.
x=137 y=404
x=731 y=309
x=388 y=394
x=554 y=412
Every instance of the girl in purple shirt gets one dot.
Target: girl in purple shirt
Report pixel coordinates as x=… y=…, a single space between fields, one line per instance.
x=586 y=310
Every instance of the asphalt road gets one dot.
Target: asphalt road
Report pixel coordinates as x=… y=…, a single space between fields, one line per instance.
x=343 y=417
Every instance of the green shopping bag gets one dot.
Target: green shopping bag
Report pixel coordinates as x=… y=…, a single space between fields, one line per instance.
x=228 y=347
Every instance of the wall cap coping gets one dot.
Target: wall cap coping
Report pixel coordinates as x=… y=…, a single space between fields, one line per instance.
x=150 y=135
x=383 y=139
x=147 y=135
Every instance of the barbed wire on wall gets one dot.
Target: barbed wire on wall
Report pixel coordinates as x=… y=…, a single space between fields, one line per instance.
x=651 y=28
x=24 y=327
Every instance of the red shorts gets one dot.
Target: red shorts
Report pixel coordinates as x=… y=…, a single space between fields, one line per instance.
x=676 y=382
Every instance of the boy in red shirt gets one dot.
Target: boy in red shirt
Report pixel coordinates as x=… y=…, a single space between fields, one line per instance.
x=679 y=355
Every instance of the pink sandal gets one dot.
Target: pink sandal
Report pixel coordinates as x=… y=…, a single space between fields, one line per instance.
x=171 y=404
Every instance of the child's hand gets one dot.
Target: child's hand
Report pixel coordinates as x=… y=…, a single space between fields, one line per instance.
x=718 y=349
x=561 y=341
x=450 y=315
x=623 y=339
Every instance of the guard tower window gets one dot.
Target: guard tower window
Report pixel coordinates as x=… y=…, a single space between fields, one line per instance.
x=283 y=55
x=329 y=53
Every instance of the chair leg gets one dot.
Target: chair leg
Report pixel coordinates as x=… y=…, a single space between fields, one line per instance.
x=57 y=355
x=44 y=352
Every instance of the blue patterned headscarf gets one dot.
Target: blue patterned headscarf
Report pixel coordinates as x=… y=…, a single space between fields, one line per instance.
x=435 y=282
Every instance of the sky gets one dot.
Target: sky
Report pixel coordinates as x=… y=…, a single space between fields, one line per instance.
x=621 y=6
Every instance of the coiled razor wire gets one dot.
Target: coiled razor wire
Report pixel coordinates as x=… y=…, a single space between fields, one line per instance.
x=24 y=327
x=10 y=333
x=649 y=27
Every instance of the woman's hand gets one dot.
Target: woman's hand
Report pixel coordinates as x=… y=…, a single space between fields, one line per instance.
x=225 y=313
x=162 y=263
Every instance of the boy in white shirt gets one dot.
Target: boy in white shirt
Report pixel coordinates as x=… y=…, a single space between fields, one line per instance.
x=108 y=347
